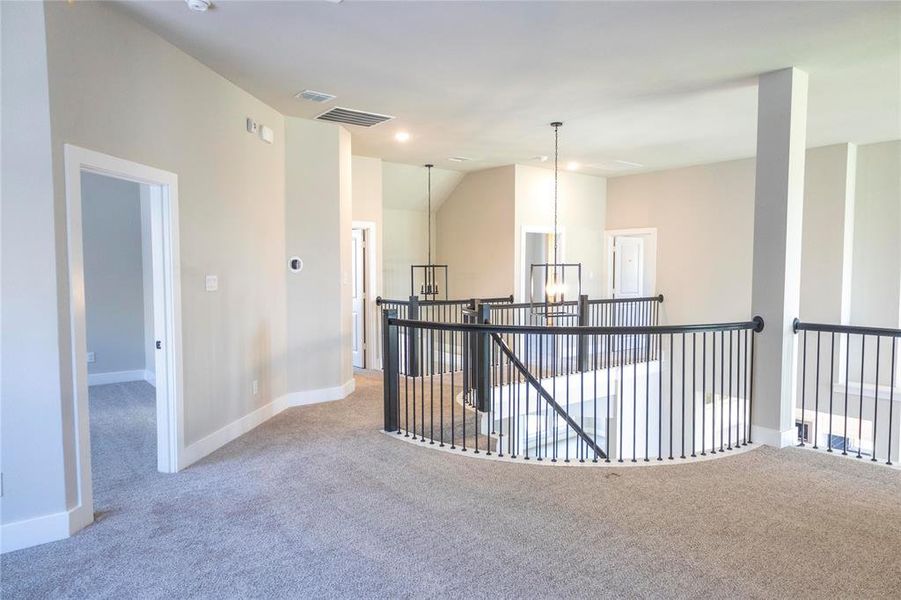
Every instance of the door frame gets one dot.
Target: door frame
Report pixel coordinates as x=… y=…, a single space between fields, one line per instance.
x=609 y=235
x=163 y=187
x=371 y=292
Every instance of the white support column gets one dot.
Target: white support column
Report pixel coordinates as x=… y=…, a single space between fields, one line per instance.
x=778 y=208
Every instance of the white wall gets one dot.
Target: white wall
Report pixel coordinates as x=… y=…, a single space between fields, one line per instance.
x=704 y=221
x=404 y=201
x=367 y=207
x=704 y=218
x=31 y=393
x=405 y=243
x=150 y=103
x=318 y=229
x=231 y=194
x=582 y=206
x=113 y=273
x=876 y=279
x=475 y=234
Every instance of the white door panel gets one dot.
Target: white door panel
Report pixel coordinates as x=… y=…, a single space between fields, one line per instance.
x=358 y=301
x=628 y=266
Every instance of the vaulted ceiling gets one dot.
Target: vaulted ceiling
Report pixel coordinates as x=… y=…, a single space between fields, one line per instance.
x=651 y=83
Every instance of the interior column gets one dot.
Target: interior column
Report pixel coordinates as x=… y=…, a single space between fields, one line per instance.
x=778 y=207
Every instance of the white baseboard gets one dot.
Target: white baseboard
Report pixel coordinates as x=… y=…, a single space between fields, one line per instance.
x=236 y=429
x=43 y=529
x=116 y=377
x=774 y=437
x=150 y=377
x=316 y=396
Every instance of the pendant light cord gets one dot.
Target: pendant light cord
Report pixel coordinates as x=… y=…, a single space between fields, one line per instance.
x=556 y=157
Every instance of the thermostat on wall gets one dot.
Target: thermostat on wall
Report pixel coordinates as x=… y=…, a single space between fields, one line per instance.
x=295 y=263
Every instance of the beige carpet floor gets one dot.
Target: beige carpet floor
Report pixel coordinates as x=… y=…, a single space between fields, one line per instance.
x=318 y=503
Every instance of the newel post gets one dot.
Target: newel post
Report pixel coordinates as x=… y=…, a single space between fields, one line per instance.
x=390 y=360
x=583 y=339
x=413 y=338
x=483 y=359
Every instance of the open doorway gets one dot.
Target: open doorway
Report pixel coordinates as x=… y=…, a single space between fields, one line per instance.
x=131 y=342
x=118 y=299
x=537 y=248
x=364 y=291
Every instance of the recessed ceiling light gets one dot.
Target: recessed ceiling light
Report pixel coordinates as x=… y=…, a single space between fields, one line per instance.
x=572 y=166
x=542 y=158
x=199 y=5
x=628 y=163
x=402 y=136
x=459 y=159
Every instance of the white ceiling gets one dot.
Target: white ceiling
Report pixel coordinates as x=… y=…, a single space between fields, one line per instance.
x=661 y=84
x=406 y=186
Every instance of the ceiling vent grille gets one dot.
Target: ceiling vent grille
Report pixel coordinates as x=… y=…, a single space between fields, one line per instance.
x=353 y=117
x=314 y=96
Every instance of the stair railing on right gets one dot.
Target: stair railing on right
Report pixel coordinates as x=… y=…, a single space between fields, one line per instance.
x=846 y=396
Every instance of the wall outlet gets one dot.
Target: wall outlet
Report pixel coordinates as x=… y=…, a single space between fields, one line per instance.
x=90 y=357
x=256 y=387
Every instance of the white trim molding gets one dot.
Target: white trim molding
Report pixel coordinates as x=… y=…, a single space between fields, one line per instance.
x=43 y=529
x=773 y=437
x=116 y=377
x=209 y=444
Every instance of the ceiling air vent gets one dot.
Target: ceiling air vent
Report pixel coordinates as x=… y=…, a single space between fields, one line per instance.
x=314 y=96
x=353 y=117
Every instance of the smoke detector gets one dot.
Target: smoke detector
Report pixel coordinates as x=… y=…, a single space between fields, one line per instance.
x=199 y=5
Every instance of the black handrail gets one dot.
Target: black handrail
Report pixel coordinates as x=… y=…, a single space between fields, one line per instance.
x=756 y=324
x=546 y=395
x=658 y=298
x=499 y=300
x=828 y=328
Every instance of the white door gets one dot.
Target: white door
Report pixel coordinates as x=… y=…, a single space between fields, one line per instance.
x=358 y=303
x=628 y=266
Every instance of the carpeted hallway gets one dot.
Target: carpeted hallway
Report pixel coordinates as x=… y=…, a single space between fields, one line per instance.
x=318 y=503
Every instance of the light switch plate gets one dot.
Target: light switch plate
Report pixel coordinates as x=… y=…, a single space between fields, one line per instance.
x=90 y=357
x=212 y=283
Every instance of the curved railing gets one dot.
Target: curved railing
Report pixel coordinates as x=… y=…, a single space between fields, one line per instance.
x=606 y=312
x=571 y=393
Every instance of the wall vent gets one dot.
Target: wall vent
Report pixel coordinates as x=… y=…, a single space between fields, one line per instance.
x=314 y=96
x=353 y=117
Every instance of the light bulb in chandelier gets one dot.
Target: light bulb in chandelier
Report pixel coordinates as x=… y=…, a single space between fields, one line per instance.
x=555 y=290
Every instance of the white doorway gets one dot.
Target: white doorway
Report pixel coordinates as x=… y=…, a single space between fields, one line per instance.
x=537 y=247
x=162 y=197
x=358 y=297
x=365 y=290
x=631 y=263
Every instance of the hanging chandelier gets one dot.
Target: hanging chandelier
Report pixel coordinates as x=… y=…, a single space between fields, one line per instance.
x=429 y=288
x=554 y=286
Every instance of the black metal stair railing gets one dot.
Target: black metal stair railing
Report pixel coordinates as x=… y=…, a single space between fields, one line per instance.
x=846 y=396
x=571 y=393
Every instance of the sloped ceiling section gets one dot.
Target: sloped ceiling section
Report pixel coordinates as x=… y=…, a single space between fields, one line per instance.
x=406 y=186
